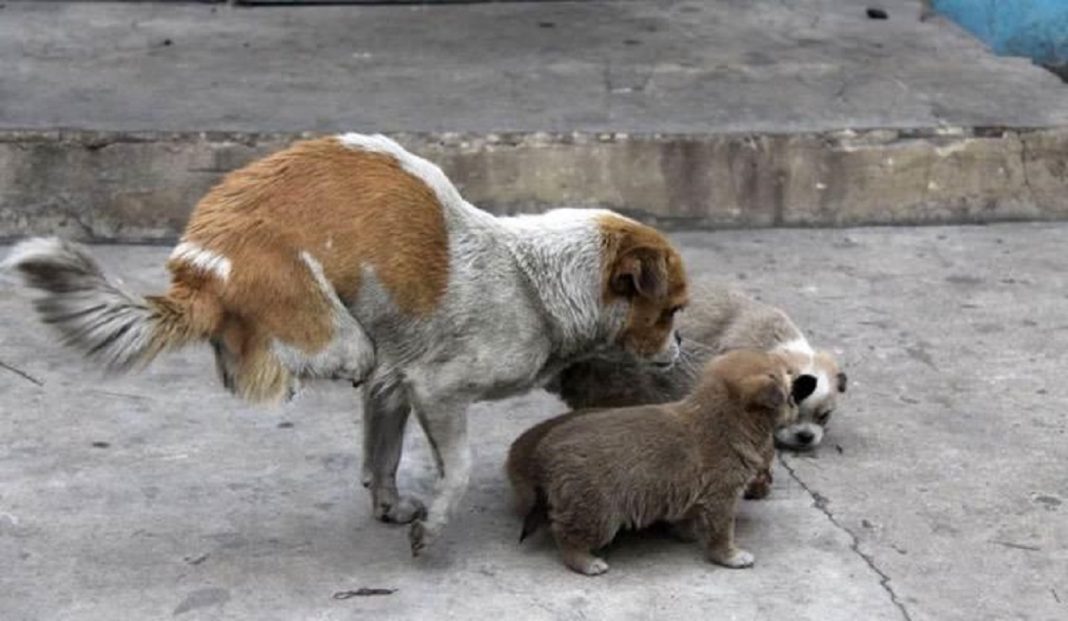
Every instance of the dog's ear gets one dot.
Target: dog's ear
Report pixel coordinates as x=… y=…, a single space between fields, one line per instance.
x=842 y=381
x=766 y=393
x=640 y=271
x=804 y=385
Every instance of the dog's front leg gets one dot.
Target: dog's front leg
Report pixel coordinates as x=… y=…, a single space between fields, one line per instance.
x=385 y=414
x=760 y=486
x=716 y=523
x=446 y=429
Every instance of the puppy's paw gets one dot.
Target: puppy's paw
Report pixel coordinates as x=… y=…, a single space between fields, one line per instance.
x=595 y=567
x=402 y=510
x=580 y=560
x=758 y=489
x=589 y=565
x=421 y=535
x=736 y=558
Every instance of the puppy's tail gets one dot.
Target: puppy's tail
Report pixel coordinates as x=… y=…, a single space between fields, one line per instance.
x=538 y=515
x=98 y=316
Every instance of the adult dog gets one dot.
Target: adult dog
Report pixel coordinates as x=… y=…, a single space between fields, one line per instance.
x=349 y=257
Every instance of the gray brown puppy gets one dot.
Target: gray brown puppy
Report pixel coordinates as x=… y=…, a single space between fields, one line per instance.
x=718 y=318
x=593 y=473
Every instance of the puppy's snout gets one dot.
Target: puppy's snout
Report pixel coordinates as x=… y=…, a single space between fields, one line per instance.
x=805 y=436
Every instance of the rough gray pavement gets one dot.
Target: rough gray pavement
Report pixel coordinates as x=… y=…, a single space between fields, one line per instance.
x=643 y=67
x=939 y=493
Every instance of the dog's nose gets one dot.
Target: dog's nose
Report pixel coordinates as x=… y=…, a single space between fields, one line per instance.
x=805 y=436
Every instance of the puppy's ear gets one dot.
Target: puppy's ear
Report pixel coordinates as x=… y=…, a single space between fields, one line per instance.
x=804 y=385
x=766 y=393
x=640 y=271
x=842 y=381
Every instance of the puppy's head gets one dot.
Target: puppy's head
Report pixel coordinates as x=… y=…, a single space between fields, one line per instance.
x=643 y=287
x=762 y=384
x=814 y=406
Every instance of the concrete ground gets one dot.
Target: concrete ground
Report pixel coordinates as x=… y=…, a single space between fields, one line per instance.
x=643 y=67
x=939 y=493
x=116 y=117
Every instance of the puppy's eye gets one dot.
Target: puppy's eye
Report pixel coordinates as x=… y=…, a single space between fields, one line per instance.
x=822 y=417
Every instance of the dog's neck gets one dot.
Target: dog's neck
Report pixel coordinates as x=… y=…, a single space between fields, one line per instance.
x=714 y=416
x=559 y=255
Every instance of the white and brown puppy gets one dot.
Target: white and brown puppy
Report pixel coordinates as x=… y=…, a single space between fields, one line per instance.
x=590 y=474
x=349 y=257
x=719 y=318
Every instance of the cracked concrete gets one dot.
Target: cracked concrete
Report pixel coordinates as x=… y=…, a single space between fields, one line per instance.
x=938 y=494
x=820 y=502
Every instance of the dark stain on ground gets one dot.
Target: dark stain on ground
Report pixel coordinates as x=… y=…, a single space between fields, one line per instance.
x=919 y=352
x=202 y=598
x=1050 y=502
x=101 y=444
x=960 y=279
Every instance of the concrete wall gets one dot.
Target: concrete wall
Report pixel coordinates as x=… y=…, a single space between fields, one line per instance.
x=1037 y=29
x=141 y=186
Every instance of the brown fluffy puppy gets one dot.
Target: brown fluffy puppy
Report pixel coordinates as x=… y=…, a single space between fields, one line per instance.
x=591 y=473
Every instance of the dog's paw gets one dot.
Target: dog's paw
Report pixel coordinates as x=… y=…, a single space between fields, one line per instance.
x=421 y=534
x=760 y=486
x=595 y=567
x=736 y=558
x=758 y=489
x=402 y=510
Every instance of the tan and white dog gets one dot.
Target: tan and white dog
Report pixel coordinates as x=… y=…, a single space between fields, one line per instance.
x=349 y=257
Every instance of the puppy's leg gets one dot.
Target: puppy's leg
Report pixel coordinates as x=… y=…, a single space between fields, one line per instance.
x=385 y=414
x=446 y=429
x=578 y=526
x=578 y=558
x=685 y=530
x=760 y=486
x=716 y=521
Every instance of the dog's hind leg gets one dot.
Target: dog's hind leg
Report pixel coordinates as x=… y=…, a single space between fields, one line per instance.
x=446 y=429
x=385 y=414
x=349 y=354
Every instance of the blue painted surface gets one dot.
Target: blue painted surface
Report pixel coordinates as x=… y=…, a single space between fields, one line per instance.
x=1034 y=28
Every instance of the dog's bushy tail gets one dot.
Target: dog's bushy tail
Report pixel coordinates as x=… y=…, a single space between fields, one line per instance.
x=97 y=315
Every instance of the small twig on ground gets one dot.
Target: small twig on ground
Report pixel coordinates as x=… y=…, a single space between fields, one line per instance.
x=363 y=592
x=1018 y=546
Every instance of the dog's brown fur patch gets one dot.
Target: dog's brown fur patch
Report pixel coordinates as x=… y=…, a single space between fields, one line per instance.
x=641 y=266
x=684 y=462
x=349 y=209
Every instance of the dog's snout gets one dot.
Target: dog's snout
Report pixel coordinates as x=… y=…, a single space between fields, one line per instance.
x=805 y=436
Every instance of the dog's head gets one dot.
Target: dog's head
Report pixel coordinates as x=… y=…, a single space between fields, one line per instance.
x=643 y=287
x=762 y=384
x=815 y=406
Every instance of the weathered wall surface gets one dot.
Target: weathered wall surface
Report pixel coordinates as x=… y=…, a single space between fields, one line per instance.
x=142 y=186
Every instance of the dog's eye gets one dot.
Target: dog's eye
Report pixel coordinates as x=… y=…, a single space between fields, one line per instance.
x=823 y=416
x=674 y=310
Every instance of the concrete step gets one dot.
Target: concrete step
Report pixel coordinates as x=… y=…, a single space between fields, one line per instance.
x=117 y=117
